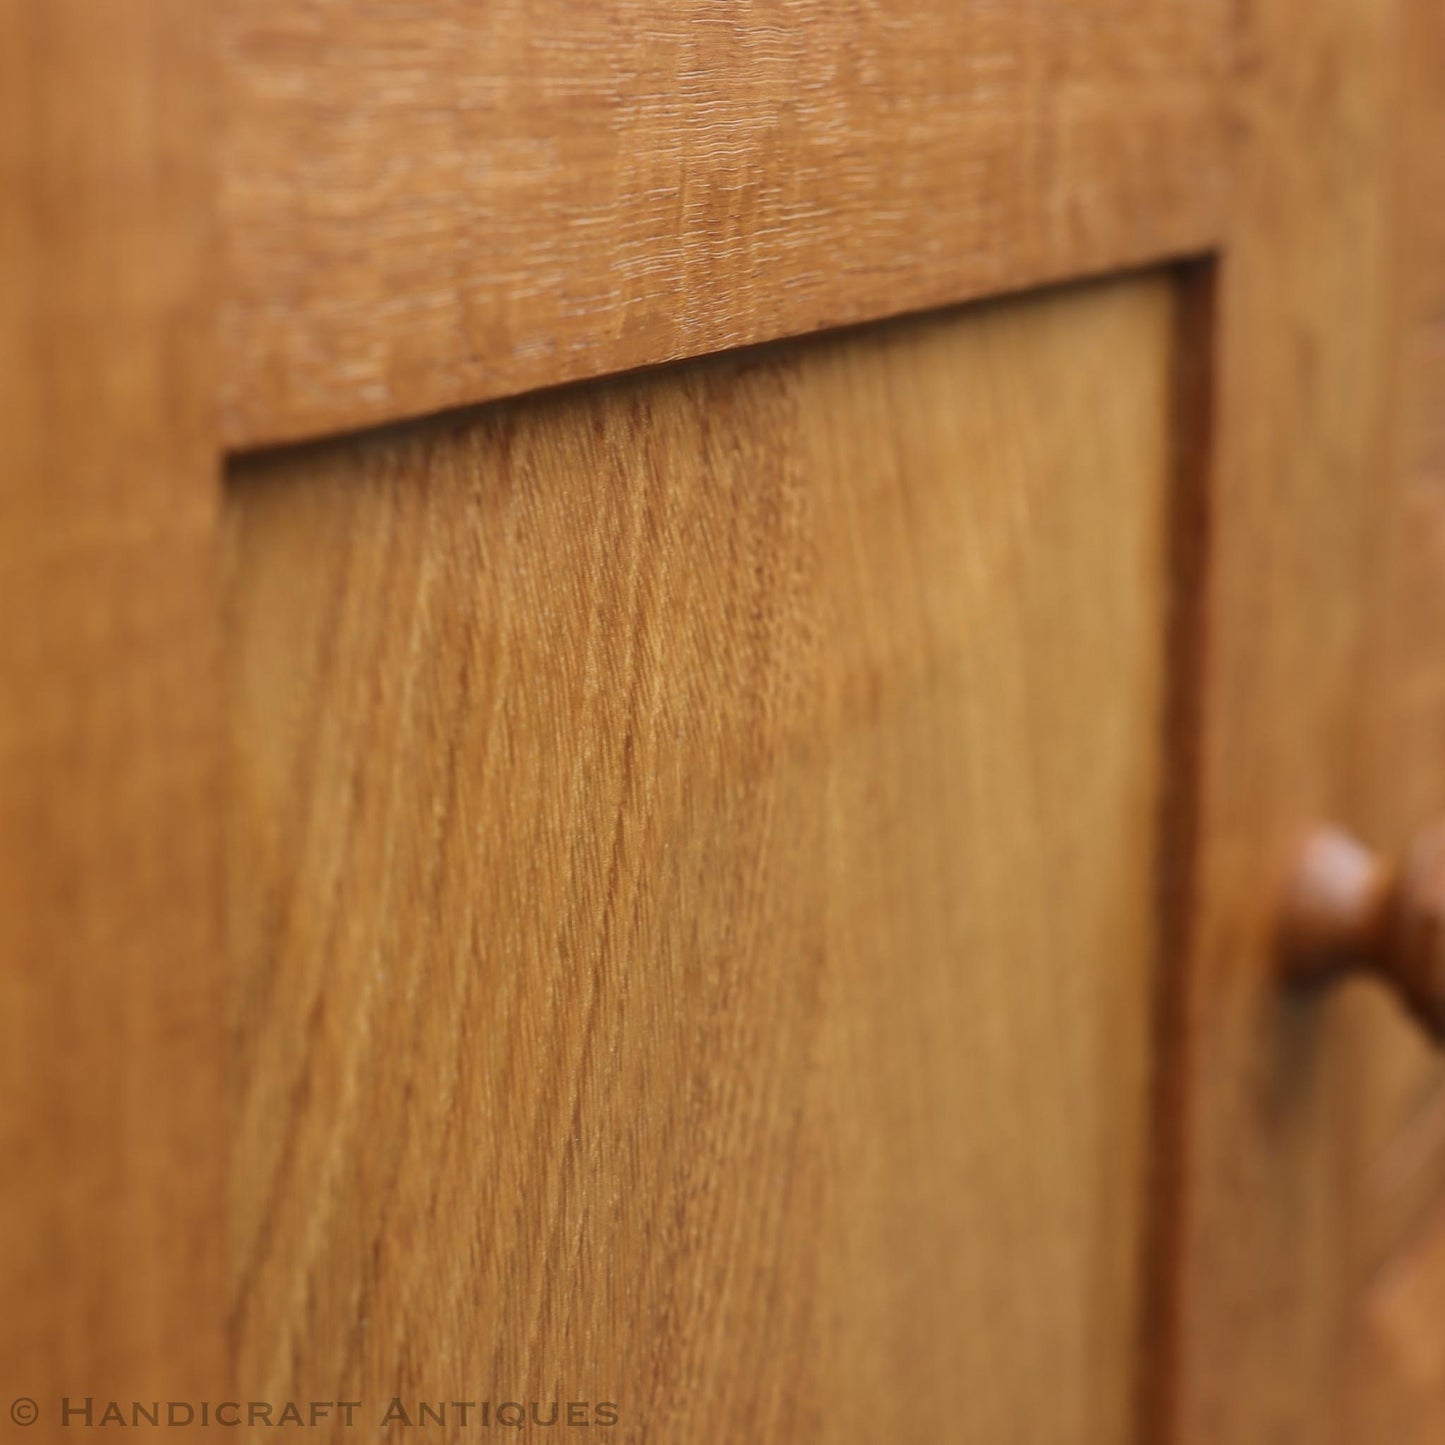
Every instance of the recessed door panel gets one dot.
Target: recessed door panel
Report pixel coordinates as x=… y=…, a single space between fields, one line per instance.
x=691 y=861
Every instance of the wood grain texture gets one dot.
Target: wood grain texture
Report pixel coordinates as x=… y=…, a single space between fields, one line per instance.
x=110 y=984
x=1307 y=1118
x=1397 y=1194
x=1399 y=752
x=1399 y=1386
x=690 y=881
x=434 y=202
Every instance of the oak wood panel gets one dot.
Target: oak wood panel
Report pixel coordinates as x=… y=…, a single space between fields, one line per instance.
x=1320 y=701
x=1399 y=748
x=1399 y=1386
x=690 y=887
x=110 y=982
x=1397 y=1196
x=433 y=202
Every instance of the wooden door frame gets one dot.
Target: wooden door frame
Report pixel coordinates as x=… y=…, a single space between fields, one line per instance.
x=114 y=1097
x=112 y=1123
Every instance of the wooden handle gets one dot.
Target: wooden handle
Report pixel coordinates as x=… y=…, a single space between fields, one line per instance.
x=1348 y=909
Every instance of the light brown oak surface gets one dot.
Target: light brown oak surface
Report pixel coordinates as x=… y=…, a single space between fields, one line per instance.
x=110 y=970
x=1397 y=1195
x=690 y=873
x=799 y=1046
x=434 y=202
x=1311 y=1137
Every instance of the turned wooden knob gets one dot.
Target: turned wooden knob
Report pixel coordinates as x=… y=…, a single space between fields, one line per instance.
x=1348 y=909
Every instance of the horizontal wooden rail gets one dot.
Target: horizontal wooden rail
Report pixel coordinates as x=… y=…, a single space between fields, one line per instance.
x=433 y=202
